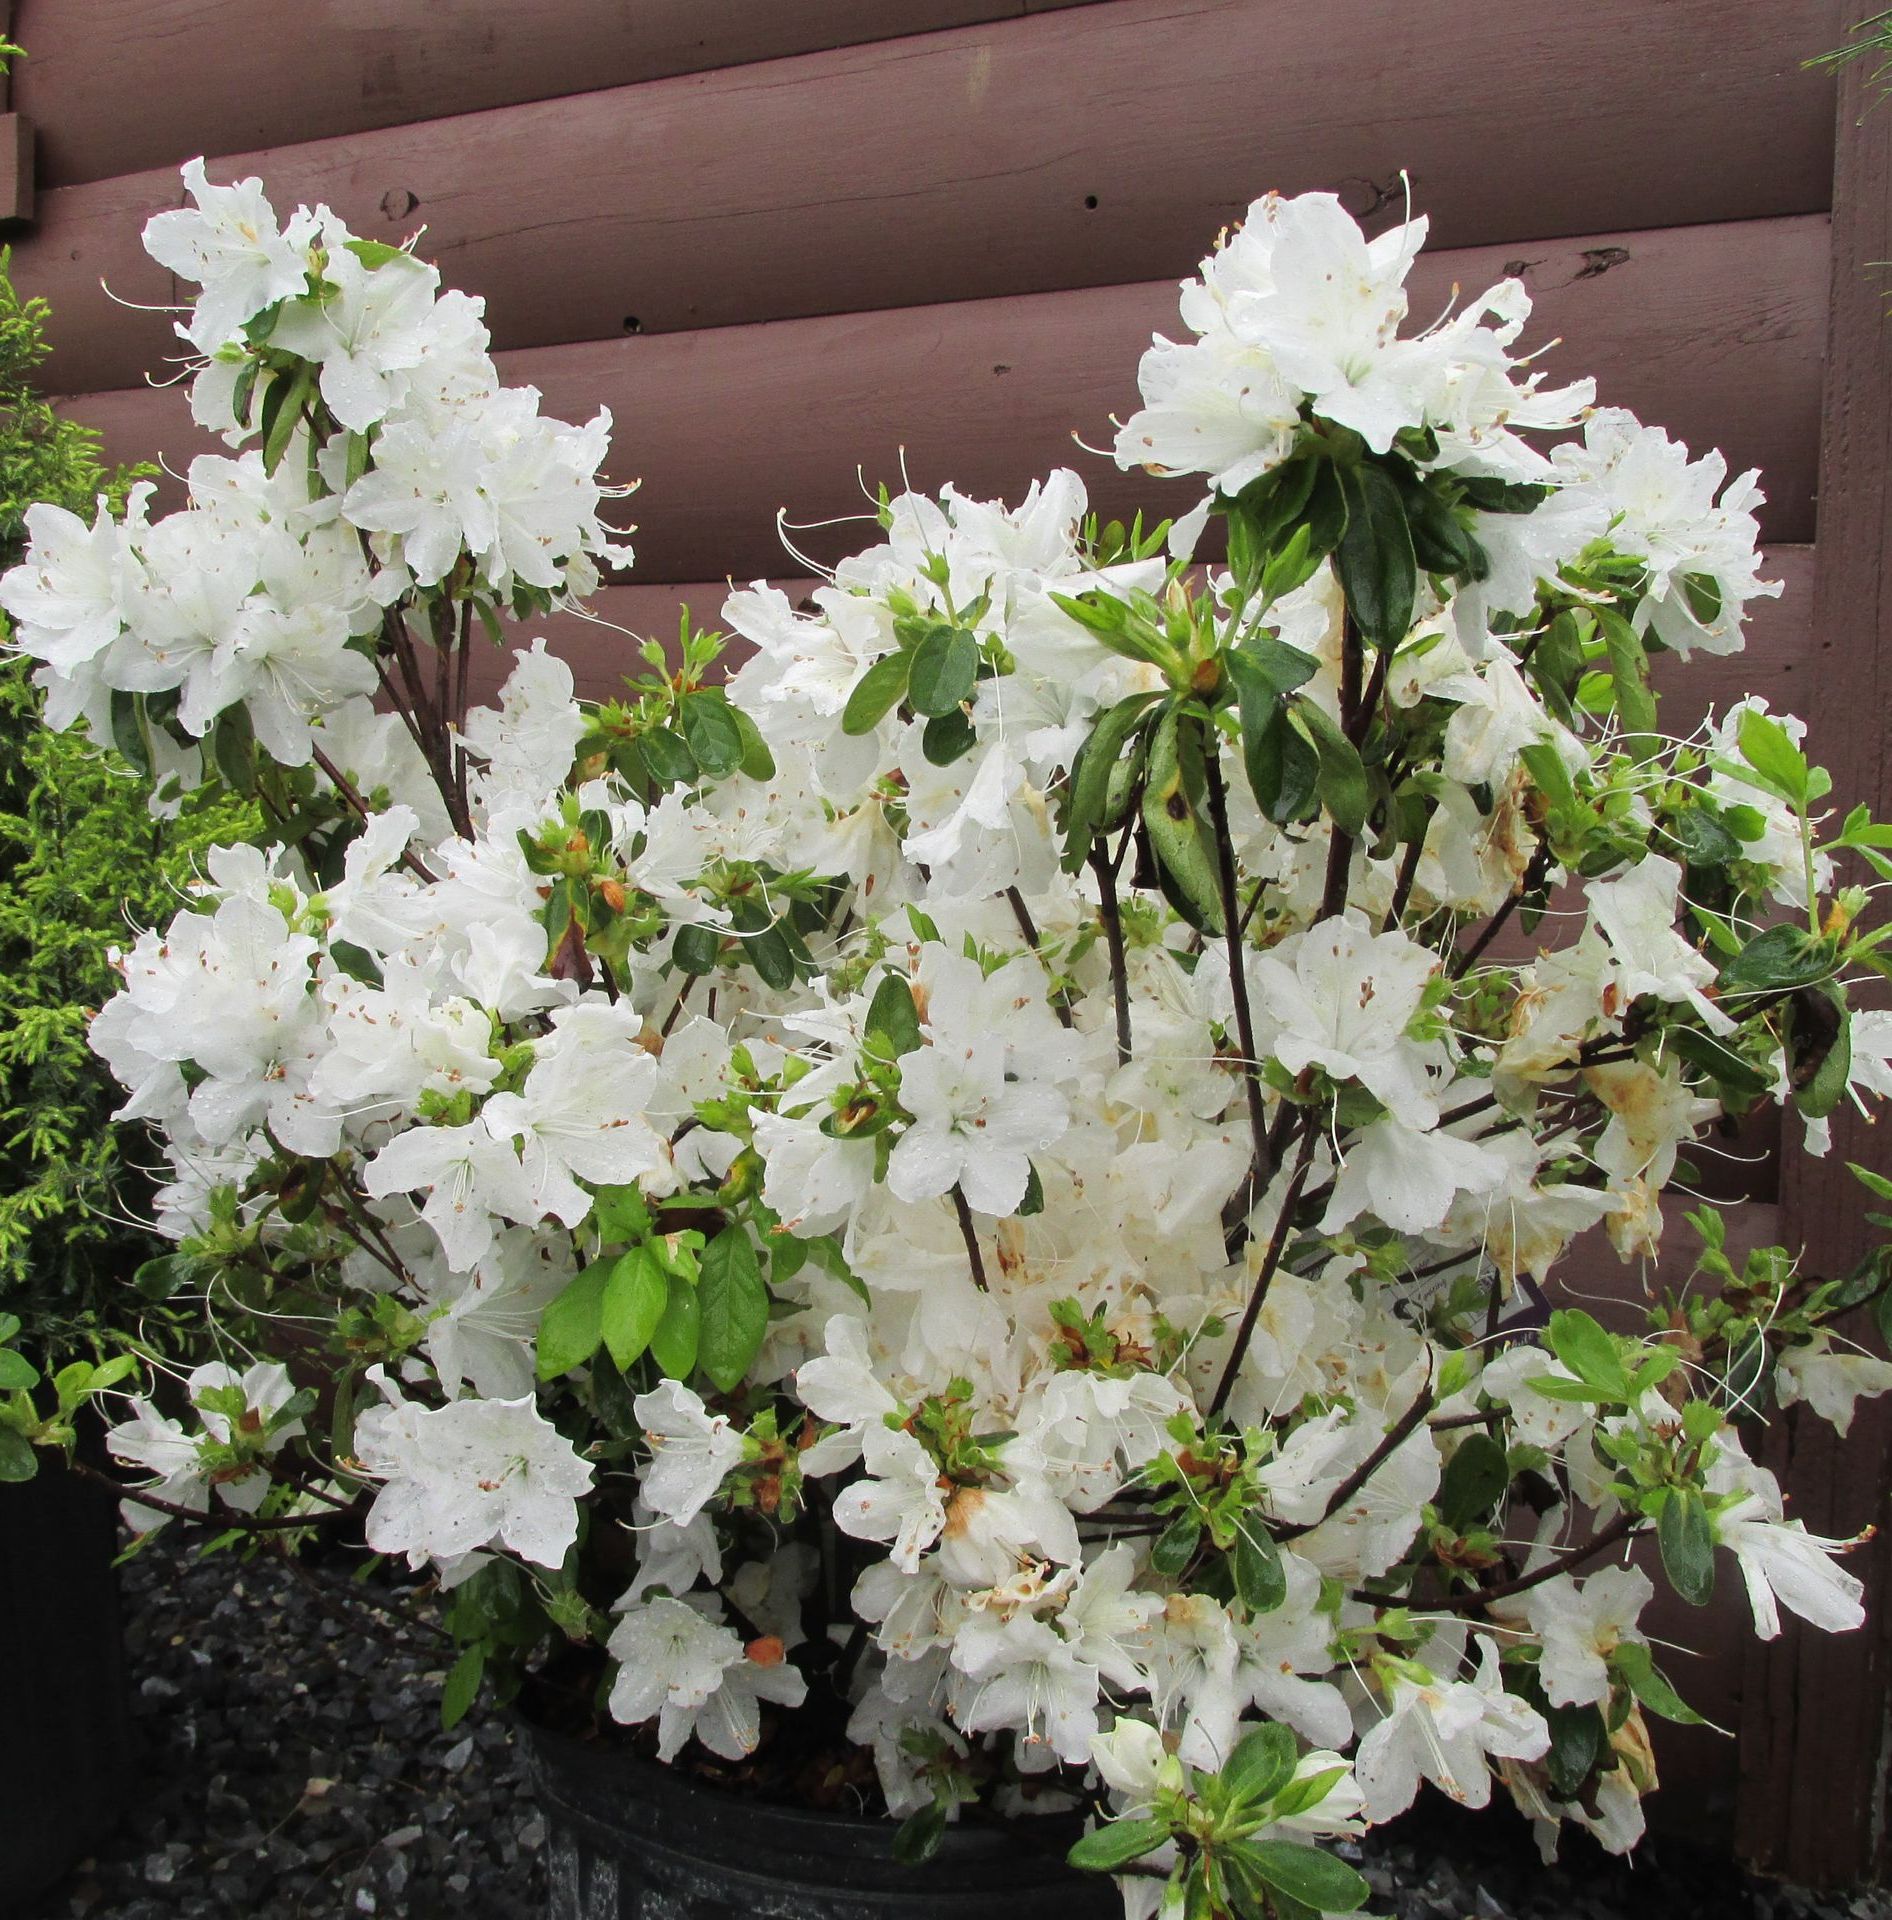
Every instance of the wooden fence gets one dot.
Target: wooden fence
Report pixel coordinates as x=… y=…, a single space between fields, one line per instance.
x=794 y=244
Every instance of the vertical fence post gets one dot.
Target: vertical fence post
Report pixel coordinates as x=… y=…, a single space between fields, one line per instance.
x=1816 y=1765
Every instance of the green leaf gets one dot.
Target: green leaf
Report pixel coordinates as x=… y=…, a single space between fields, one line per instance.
x=1629 y=675
x=17 y=1460
x=462 y=1686
x=1578 y=1739
x=949 y=737
x=233 y=748
x=128 y=734
x=709 y=726
x=74 y=1381
x=1176 y=1545
x=1261 y=1580
x=160 y=1278
x=1308 y=1875
x=1636 y=1664
x=876 y=693
x=1178 y=834
x=668 y=757
x=1105 y=1849
x=1283 y=769
x=1292 y=565
x=1687 y=1539
x=1770 y=752
x=1738 y=1080
x=1783 y=957
x=375 y=253
x=1283 y=667
x=10 y=1322
x=17 y=1373
x=283 y=408
x=944 y=669
x=1474 y=1481
x=735 y=1308
x=696 y=948
x=1374 y=560
x=918 y=1836
x=1440 y=542
x=1114 y=625
x=1262 y=1764
x=1342 y=779
x=635 y=1290
x=619 y=1214
x=572 y=1326
x=1258 y=702
x=757 y=761
x=769 y=953
x=673 y=1343
x=1268 y=505
x=1819 y=1049
x=1588 y=1352
x=892 y=1014
x=1704 y=841
x=1090 y=774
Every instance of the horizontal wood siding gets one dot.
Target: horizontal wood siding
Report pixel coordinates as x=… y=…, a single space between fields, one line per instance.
x=1094 y=146
x=239 y=75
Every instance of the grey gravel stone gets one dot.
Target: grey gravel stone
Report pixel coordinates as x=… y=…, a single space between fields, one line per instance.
x=294 y=1768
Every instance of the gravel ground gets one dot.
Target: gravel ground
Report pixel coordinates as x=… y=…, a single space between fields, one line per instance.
x=293 y=1768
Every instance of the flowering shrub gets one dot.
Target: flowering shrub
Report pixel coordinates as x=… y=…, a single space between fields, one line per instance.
x=966 y=1208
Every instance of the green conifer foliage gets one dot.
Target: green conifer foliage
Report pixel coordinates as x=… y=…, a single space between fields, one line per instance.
x=81 y=863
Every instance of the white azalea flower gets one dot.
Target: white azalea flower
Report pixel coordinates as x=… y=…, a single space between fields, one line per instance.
x=1445 y=1731
x=230 y=245
x=973 y=1128
x=1781 y=1561
x=580 y=1115
x=470 y=1474
x=1830 y=1379
x=900 y=1500
x=1636 y=913
x=1341 y=998
x=1581 y=1625
x=692 y=1450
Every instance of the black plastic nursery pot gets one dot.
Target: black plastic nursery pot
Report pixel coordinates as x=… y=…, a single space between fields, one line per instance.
x=630 y=1840
x=65 y=1758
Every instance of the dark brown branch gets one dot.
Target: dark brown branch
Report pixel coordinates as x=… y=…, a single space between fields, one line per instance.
x=1408 y=875
x=670 y=1019
x=460 y=703
x=1618 y=1530
x=1112 y=918
x=970 y=1235
x=1028 y=927
x=1355 y=713
x=222 y=1522
x=1261 y=1165
x=392 y=695
x=1271 y=1259
x=356 y=804
x=1533 y=879
x=1396 y=1435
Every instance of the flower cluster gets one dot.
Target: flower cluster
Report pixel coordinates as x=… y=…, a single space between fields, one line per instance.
x=385 y=453
x=994 y=1172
